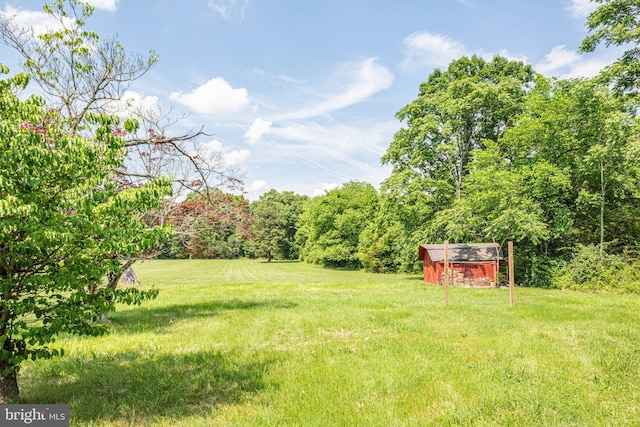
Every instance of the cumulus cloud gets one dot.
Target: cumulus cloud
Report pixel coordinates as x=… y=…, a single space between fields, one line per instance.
x=229 y=9
x=258 y=129
x=565 y=63
x=257 y=186
x=559 y=57
x=215 y=98
x=357 y=82
x=235 y=157
x=580 y=9
x=109 y=5
x=214 y=150
x=423 y=49
x=38 y=21
x=324 y=187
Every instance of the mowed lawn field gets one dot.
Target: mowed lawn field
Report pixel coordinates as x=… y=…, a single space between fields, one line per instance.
x=245 y=342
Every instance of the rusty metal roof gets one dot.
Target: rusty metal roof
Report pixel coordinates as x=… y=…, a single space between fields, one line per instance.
x=462 y=252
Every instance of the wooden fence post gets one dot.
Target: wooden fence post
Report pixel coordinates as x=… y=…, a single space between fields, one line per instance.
x=512 y=292
x=446 y=273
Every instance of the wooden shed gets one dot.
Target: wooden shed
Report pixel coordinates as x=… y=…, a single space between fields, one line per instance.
x=470 y=264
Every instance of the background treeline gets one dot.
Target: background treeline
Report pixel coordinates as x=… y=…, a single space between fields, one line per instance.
x=489 y=151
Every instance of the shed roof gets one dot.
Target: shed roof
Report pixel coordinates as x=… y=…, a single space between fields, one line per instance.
x=462 y=252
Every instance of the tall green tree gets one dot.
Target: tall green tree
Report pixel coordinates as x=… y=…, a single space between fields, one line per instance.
x=498 y=203
x=330 y=225
x=382 y=243
x=275 y=223
x=456 y=110
x=64 y=224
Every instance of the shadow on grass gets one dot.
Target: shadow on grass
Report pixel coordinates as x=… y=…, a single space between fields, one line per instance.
x=415 y=278
x=145 y=318
x=281 y=261
x=133 y=388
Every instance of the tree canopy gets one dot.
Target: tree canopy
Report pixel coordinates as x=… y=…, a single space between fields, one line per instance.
x=275 y=223
x=330 y=225
x=456 y=110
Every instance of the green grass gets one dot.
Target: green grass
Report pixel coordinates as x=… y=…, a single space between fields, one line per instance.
x=289 y=344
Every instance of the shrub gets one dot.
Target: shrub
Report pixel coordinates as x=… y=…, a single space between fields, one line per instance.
x=589 y=270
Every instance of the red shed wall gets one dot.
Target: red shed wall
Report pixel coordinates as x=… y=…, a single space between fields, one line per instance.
x=433 y=271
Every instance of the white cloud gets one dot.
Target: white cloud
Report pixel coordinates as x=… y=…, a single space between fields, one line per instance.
x=320 y=140
x=356 y=82
x=255 y=189
x=323 y=188
x=209 y=149
x=559 y=57
x=215 y=98
x=256 y=186
x=258 y=129
x=565 y=63
x=136 y=99
x=580 y=9
x=235 y=157
x=38 y=21
x=214 y=150
x=229 y=9
x=133 y=101
x=423 y=49
x=109 y=5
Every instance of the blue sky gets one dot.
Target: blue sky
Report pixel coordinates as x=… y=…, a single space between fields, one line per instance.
x=302 y=95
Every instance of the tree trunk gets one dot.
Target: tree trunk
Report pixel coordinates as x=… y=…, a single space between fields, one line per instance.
x=8 y=386
x=602 y=200
x=113 y=279
x=268 y=256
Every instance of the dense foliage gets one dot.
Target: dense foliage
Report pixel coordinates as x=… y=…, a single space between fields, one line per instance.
x=275 y=224
x=616 y=22
x=590 y=270
x=331 y=225
x=214 y=225
x=64 y=225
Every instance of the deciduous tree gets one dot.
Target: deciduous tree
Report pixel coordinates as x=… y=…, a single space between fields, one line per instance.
x=330 y=225
x=64 y=224
x=214 y=225
x=275 y=223
x=456 y=110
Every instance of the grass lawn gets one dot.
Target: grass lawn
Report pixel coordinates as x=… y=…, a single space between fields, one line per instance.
x=244 y=342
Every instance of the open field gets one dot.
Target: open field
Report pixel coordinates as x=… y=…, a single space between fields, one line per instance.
x=244 y=342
